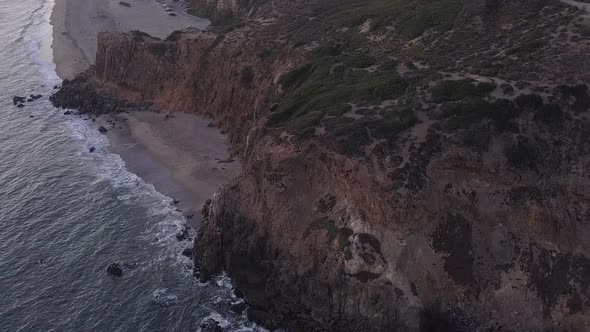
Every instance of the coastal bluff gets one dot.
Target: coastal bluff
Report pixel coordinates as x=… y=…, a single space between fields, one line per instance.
x=421 y=172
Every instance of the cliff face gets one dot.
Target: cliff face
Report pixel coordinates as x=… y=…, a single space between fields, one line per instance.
x=438 y=181
x=218 y=76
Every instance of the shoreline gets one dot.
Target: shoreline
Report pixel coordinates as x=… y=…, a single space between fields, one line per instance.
x=76 y=24
x=180 y=154
x=157 y=147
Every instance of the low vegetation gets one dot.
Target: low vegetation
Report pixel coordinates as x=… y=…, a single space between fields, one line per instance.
x=453 y=90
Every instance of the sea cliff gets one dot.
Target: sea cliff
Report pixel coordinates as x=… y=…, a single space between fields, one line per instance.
x=414 y=165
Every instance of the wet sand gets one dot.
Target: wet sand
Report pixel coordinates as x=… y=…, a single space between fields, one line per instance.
x=181 y=155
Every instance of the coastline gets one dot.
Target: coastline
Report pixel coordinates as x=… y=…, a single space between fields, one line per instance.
x=180 y=155
x=76 y=24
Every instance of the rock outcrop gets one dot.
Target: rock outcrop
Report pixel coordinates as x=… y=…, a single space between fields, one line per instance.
x=421 y=173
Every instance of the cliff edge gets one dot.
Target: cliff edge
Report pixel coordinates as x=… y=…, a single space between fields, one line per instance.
x=407 y=165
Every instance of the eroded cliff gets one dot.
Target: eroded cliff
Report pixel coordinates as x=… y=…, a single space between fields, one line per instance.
x=413 y=165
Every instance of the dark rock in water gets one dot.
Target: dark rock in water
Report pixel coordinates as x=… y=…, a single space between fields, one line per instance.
x=188 y=252
x=20 y=105
x=210 y=325
x=175 y=202
x=30 y=99
x=80 y=94
x=238 y=293
x=102 y=129
x=17 y=100
x=31 y=116
x=182 y=235
x=55 y=87
x=92 y=149
x=35 y=97
x=67 y=112
x=189 y=216
x=93 y=120
x=238 y=307
x=115 y=270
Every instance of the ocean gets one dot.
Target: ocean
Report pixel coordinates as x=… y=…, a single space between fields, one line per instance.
x=67 y=213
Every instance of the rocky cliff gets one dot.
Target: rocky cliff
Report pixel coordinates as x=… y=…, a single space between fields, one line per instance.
x=408 y=165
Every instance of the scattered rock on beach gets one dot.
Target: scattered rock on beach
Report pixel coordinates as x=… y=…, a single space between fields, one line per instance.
x=115 y=269
x=102 y=129
x=16 y=100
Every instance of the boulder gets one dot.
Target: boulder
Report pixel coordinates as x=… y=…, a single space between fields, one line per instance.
x=115 y=269
x=102 y=129
x=238 y=307
x=183 y=234
x=209 y=325
x=16 y=100
x=188 y=252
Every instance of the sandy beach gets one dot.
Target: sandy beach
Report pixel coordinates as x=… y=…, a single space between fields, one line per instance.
x=76 y=24
x=180 y=154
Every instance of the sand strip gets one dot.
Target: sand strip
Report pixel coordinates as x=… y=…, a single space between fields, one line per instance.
x=181 y=155
x=76 y=24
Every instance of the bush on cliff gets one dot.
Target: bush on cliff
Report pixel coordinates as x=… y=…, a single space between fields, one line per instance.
x=411 y=18
x=315 y=88
x=523 y=153
x=247 y=75
x=454 y=90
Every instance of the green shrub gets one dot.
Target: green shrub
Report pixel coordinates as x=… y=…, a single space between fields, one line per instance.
x=360 y=61
x=296 y=76
x=454 y=90
x=389 y=65
x=394 y=122
x=502 y=111
x=528 y=47
x=462 y=115
x=529 y=102
x=477 y=137
x=247 y=75
x=265 y=54
x=411 y=18
x=315 y=88
x=550 y=114
x=323 y=224
x=579 y=92
x=523 y=153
